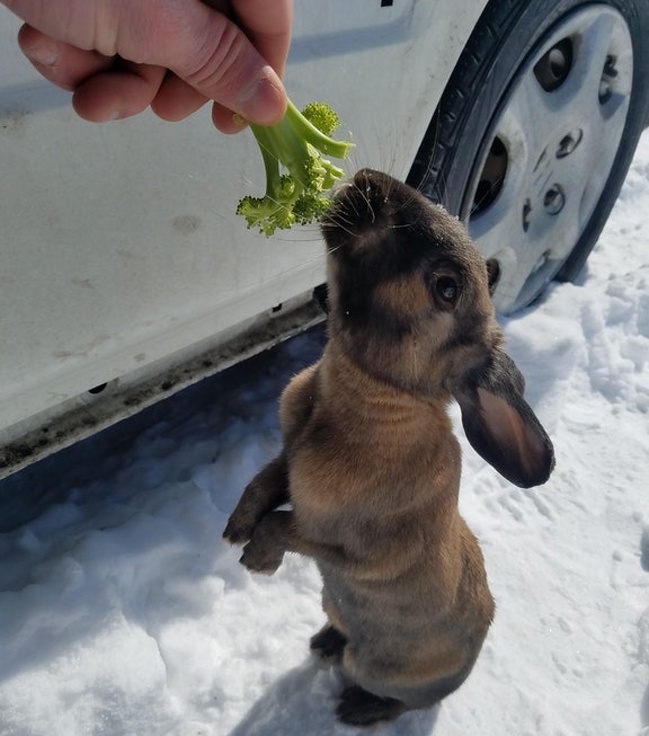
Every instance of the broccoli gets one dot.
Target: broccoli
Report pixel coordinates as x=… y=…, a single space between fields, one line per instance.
x=296 y=144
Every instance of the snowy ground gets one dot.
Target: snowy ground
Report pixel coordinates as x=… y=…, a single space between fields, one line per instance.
x=123 y=613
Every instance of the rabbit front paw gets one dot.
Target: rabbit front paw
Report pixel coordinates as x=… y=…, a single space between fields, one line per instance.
x=239 y=527
x=265 y=550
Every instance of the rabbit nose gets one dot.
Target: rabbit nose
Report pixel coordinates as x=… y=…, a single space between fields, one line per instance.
x=367 y=179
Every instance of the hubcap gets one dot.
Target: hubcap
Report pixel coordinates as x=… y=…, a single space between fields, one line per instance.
x=550 y=152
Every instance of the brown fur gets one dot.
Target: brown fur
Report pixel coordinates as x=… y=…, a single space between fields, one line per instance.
x=370 y=464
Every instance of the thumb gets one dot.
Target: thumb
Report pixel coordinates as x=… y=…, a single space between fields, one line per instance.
x=215 y=57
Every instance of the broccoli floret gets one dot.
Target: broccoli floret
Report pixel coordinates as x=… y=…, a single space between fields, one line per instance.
x=295 y=144
x=324 y=118
x=309 y=207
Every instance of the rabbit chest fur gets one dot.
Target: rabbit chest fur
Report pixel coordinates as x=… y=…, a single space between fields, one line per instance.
x=374 y=476
x=370 y=464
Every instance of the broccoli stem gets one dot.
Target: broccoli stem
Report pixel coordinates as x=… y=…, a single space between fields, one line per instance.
x=297 y=176
x=280 y=143
x=308 y=132
x=271 y=164
x=287 y=143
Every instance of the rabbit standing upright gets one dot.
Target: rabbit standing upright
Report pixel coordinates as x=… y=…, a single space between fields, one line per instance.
x=370 y=464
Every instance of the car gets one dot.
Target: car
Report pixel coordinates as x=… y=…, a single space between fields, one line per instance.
x=126 y=274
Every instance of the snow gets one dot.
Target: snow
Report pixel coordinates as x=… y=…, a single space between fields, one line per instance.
x=122 y=612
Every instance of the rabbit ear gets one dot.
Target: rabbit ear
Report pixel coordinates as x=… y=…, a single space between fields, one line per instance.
x=501 y=426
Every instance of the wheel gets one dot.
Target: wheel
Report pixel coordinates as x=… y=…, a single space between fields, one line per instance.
x=535 y=132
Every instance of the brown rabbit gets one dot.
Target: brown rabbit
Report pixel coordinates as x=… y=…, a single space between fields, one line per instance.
x=370 y=464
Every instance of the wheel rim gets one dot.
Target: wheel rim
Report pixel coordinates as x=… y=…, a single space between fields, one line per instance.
x=549 y=152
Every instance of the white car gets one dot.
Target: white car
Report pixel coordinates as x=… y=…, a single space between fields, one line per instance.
x=125 y=273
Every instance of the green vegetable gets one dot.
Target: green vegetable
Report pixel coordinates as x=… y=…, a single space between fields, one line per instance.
x=297 y=175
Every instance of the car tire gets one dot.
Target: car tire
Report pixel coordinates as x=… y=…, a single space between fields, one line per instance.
x=535 y=132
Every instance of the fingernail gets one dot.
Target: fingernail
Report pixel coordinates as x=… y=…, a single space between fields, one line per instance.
x=44 y=54
x=265 y=100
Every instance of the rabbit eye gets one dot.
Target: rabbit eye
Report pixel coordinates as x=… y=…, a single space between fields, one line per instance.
x=447 y=289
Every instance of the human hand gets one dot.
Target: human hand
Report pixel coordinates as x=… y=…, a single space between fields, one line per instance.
x=120 y=56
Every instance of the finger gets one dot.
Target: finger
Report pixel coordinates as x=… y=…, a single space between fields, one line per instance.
x=63 y=65
x=213 y=55
x=176 y=99
x=118 y=93
x=80 y=23
x=268 y=25
x=110 y=96
x=227 y=121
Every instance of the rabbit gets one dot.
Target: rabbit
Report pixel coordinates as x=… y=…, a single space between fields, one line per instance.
x=370 y=464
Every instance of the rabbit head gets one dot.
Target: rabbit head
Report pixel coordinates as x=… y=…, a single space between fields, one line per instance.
x=410 y=305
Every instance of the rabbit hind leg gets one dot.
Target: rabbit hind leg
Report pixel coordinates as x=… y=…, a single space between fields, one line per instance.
x=358 y=707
